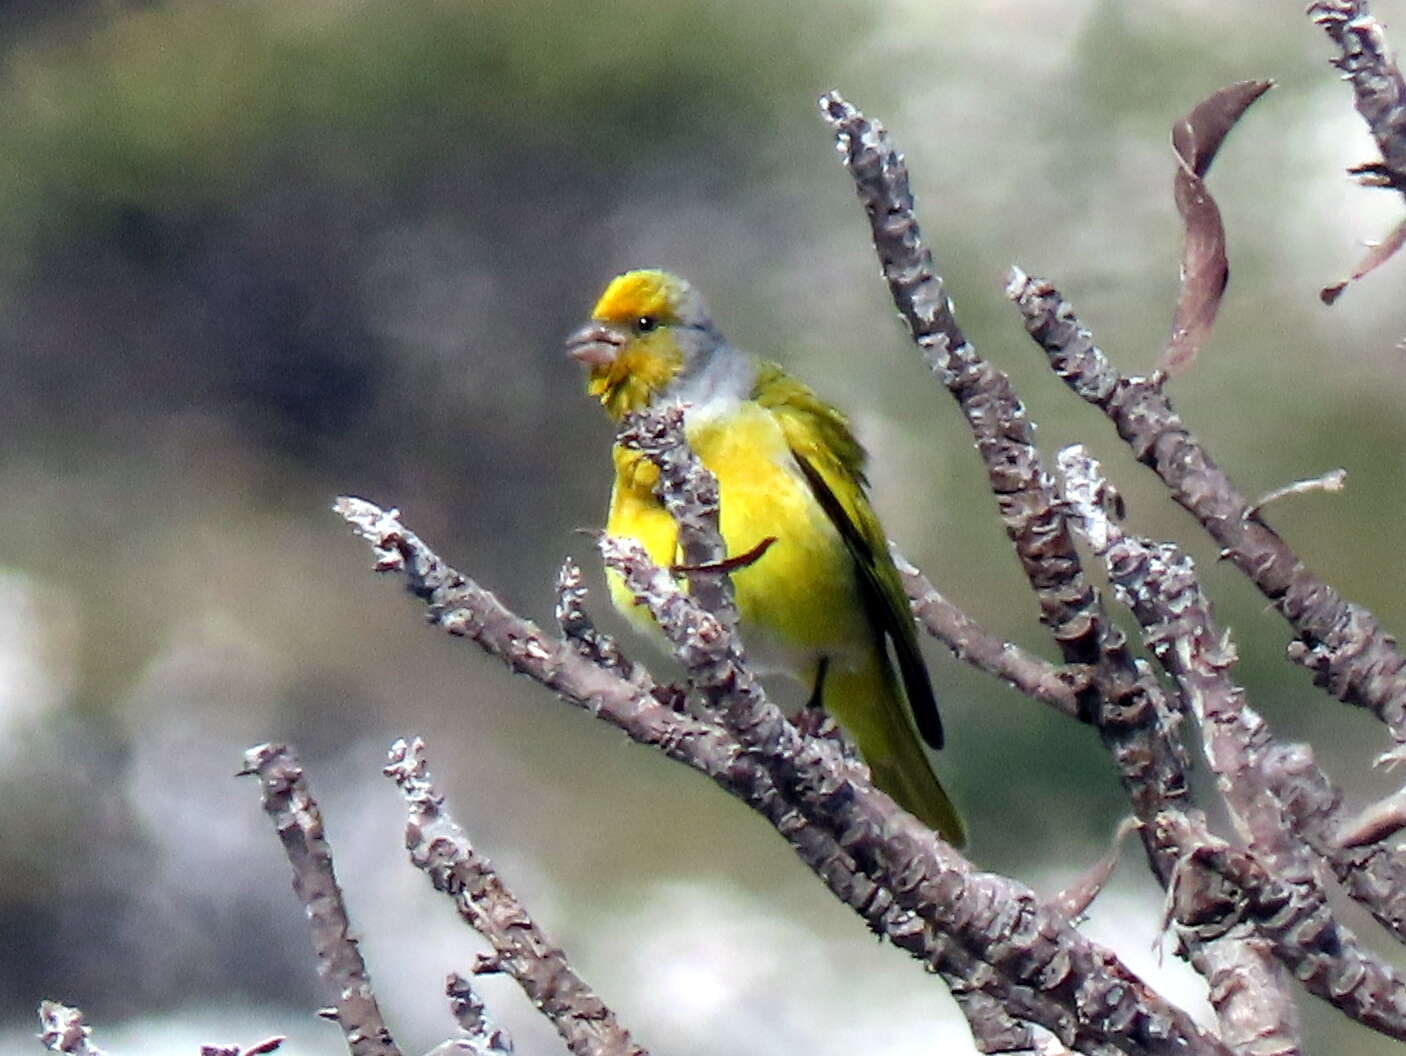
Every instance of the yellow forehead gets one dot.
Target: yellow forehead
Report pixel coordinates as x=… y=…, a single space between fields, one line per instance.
x=636 y=294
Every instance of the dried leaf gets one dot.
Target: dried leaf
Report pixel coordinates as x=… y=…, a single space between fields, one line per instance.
x=1375 y=823
x=1075 y=898
x=1377 y=254
x=1204 y=269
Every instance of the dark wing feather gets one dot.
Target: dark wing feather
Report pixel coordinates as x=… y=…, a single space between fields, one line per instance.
x=877 y=580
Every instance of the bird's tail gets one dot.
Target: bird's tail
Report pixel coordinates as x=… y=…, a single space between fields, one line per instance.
x=868 y=702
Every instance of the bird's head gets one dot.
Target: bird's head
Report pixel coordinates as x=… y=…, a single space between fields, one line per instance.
x=647 y=328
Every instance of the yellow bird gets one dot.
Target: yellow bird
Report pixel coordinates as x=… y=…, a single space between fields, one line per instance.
x=824 y=604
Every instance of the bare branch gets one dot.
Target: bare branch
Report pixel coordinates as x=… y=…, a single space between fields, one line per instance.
x=1158 y=583
x=442 y=849
x=1341 y=643
x=1160 y=586
x=1035 y=677
x=465 y=609
x=1004 y=436
x=1366 y=60
x=1251 y=993
x=993 y=1029
x=938 y=884
x=1373 y=874
x=690 y=494
x=299 y=823
x=1121 y=698
x=62 y=1029
x=1221 y=886
x=1073 y=988
x=1376 y=822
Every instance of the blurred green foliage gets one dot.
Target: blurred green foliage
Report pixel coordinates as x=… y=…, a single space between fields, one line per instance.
x=175 y=108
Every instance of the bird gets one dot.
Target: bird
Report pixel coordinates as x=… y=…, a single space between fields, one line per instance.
x=824 y=603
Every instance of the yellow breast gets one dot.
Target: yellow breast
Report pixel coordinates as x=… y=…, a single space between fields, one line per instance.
x=799 y=600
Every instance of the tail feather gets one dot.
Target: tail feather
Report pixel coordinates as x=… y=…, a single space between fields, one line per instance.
x=869 y=704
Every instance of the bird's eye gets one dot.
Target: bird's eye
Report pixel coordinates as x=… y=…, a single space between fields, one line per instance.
x=645 y=323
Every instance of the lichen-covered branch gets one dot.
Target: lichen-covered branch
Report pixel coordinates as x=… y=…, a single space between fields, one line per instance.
x=465 y=609
x=690 y=494
x=1159 y=584
x=1076 y=990
x=62 y=1029
x=1365 y=59
x=938 y=884
x=1340 y=642
x=1121 y=697
x=1219 y=887
x=483 y=1036
x=996 y=918
x=440 y=847
x=1373 y=872
x=299 y=823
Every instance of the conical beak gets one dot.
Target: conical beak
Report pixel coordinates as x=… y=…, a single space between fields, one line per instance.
x=595 y=345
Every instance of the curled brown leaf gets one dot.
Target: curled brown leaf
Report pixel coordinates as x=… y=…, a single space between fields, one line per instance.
x=1377 y=254
x=1204 y=268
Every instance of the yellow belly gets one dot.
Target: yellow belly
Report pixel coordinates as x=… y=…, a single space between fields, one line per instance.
x=800 y=600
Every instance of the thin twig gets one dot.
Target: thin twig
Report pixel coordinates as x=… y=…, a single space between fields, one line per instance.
x=439 y=846
x=1032 y=675
x=299 y=823
x=1333 y=480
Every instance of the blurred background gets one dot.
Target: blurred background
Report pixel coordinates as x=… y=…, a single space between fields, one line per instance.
x=256 y=254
